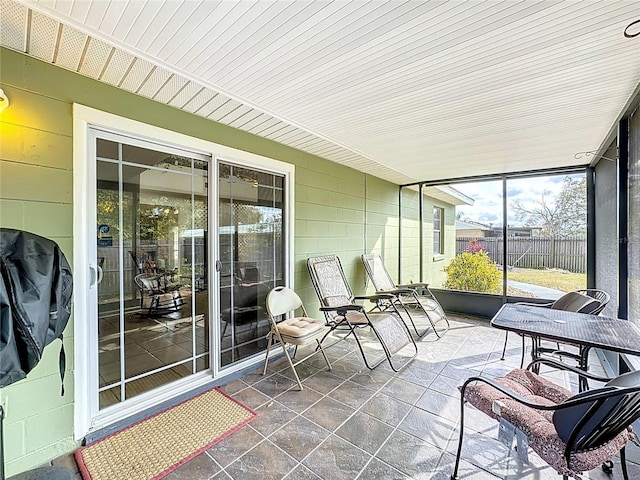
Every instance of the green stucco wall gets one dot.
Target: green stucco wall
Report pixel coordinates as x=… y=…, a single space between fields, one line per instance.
x=338 y=210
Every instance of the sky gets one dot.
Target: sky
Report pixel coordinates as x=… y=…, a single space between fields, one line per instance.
x=487 y=197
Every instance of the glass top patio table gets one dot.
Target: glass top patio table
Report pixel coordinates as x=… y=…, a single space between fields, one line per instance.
x=591 y=331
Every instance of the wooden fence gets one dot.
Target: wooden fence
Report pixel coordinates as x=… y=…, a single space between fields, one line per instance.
x=566 y=253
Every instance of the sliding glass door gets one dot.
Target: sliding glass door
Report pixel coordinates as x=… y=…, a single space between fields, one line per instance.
x=151 y=262
x=175 y=250
x=251 y=245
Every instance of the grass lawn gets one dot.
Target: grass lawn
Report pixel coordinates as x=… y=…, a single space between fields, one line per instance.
x=558 y=279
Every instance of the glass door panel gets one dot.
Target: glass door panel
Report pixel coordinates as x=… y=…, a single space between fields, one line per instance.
x=479 y=253
x=152 y=224
x=251 y=247
x=546 y=235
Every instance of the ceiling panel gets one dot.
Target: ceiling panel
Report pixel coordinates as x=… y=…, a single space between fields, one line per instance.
x=214 y=104
x=203 y=97
x=117 y=67
x=184 y=96
x=253 y=117
x=236 y=114
x=94 y=15
x=137 y=75
x=70 y=48
x=406 y=91
x=261 y=123
x=225 y=109
x=43 y=36
x=95 y=59
x=154 y=82
x=170 y=89
x=13 y=31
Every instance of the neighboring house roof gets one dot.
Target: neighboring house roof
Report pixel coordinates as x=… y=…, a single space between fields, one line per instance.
x=517 y=228
x=462 y=225
x=448 y=194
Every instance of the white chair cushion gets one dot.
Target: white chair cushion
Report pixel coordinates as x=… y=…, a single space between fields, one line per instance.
x=300 y=328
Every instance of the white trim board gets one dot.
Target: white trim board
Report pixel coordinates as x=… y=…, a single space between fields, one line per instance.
x=85 y=378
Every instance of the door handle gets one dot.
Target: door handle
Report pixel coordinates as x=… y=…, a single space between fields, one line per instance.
x=218 y=265
x=96 y=275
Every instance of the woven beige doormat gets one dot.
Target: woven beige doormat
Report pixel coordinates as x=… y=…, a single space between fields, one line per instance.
x=156 y=446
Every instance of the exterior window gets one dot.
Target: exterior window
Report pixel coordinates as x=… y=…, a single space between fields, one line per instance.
x=438 y=233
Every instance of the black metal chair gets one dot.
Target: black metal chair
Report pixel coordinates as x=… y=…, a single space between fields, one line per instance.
x=590 y=300
x=342 y=313
x=413 y=297
x=577 y=433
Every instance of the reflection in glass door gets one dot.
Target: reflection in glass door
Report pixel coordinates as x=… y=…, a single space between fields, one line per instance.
x=251 y=256
x=151 y=244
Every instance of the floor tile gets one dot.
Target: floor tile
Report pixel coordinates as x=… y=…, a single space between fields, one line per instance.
x=365 y=432
x=264 y=462
x=337 y=459
x=354 y=423
x=299 y=437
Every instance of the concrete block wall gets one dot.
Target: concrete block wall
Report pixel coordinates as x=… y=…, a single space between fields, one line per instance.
x=333 y=204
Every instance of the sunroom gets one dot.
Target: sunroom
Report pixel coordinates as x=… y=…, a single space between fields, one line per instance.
x=213 y=148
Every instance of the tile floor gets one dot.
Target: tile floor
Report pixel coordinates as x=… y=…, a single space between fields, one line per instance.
x=353 y=423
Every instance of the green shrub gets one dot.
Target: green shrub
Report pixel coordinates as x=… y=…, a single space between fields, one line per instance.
x=473 y=272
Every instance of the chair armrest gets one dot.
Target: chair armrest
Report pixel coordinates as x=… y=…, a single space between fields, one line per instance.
x=563 y=366
x=413 y=285
x=585 y=397
x=342 y=308
x=396 y=291
x=531 y=304
x=510 y=393
x=375 y=298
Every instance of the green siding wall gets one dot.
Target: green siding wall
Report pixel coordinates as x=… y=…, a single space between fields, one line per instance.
x=432 y=265
x=338 y=210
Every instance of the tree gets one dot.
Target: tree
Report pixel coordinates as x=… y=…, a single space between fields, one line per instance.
x=562 y=215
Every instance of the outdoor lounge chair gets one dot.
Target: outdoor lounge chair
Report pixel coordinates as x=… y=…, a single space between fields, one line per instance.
x=342 y=313
x=158 y=295
x=572 y=433
x=413 y=298
x=591 y=301
x=294 y=330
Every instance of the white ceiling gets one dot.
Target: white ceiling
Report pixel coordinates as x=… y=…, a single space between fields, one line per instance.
x=405 y=90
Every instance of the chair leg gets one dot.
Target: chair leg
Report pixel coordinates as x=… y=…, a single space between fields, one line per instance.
x=386 y=349
x=623 y=463
x=323 y=354
x=454 y=475
x=266 y=358
x=406 y=310
x=442 y=313
x=364 y=356
x=293 y=368
x=524 y=346
x=504 y=347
